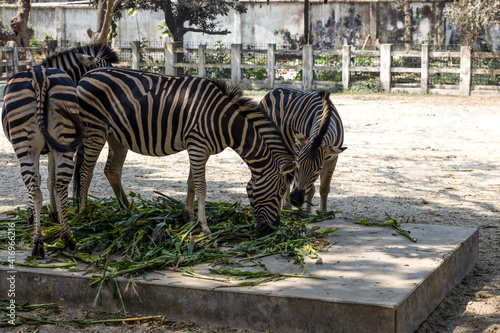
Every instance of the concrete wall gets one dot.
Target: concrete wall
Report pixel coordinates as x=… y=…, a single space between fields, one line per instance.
x=332 y=25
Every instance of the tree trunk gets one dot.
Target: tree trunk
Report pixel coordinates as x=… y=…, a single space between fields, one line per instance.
x=407 y=16
x=306 y=22
x=6 y=35
x=19 y=23
x=104 y=18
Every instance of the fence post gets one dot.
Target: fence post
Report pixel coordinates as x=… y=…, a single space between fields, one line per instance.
x=201 y=61
x=271 y=63
x=236 y=64
x=307 y=66
x=346 y=65
x=385 y=66
x=15 y=57
x=465 y=70
x=136 y=58
x=169 y=58
x=424 y=69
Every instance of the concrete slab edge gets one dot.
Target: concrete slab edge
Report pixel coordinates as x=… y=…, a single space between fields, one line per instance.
x=234 y=308
x=426 y=297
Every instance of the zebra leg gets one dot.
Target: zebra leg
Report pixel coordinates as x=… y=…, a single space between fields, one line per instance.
x=309 y=197
x=198 y=161
x=113 y=170
x=85 y=170
x=63 y=168
x=326 y=178
x=286 y=198
x=188 y=213
x=31 y=177
x=50 y=184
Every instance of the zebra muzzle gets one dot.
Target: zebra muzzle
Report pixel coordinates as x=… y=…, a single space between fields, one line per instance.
x=297 y=197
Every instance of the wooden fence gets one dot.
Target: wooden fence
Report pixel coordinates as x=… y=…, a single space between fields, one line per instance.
x=306 y=68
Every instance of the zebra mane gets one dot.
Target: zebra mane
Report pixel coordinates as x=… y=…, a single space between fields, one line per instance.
x=98 y=50
x=324 y=121
x=234 y=93
x=256 y=114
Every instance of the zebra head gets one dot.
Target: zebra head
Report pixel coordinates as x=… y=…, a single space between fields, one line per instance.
x=265 y=192
x=96 y=55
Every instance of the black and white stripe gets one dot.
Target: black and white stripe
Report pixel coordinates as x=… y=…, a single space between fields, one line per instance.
x=154 y=114
x=79 y=60
x=41 y=115
x=311 y=124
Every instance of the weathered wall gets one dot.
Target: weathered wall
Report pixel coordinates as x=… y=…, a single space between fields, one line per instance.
x=354 y=22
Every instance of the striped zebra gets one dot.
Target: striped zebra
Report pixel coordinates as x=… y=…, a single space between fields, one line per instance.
x=41 y=116
x=79 y=60
x=311 y=124
x=159 y=115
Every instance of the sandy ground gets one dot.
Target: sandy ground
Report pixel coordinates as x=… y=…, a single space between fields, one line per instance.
x=422 y=159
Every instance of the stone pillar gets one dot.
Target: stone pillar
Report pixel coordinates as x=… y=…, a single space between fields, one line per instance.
x=307 y=66
x=136 y=57
x=424 y=69
x=465 y=70
x=346 y=66
x=271 y=63
x=236 y=64
x=201 y=61
x=385 y=66
x=169 y=58
x=14 y=57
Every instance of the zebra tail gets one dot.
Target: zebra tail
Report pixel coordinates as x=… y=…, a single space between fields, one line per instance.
x=76 y=175
x=325 y=122
x=42 y=105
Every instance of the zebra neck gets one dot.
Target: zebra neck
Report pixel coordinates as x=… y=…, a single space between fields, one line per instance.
x=76 y=72
x=259 y=143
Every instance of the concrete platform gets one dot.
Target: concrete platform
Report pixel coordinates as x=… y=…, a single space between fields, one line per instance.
x=375 y=282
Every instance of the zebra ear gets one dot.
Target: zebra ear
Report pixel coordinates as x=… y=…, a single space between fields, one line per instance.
x=86 y=60
x=287 y=168
x=332 y=150
x=324 y=125
x=300 y=140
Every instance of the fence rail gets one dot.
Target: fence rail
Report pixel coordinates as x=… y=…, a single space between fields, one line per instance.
x=464 y=73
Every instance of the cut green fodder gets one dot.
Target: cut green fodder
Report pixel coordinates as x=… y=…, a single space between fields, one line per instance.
x=150 y=235
x=391 y=222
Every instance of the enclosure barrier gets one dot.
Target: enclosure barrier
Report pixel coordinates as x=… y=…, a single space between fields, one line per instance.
x=308 y=68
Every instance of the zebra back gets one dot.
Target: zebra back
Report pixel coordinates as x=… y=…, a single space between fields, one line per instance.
x=79 y=60
x=306 y=116
x=155 y=114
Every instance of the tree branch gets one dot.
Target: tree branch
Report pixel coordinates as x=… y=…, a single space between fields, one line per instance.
x=217 y=32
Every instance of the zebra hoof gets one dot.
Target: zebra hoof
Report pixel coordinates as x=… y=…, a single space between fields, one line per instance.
x=69 y=243
x=187 y=217
x=38 y=250
x=205 y=230
x=53 y=217
x=264 y=229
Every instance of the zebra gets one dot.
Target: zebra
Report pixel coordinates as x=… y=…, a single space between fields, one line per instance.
x=158 y=115
x=311 y=124
x=41 y=116
x=78 y=60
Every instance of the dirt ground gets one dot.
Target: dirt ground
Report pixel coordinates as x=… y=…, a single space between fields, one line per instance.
x=422 y=159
